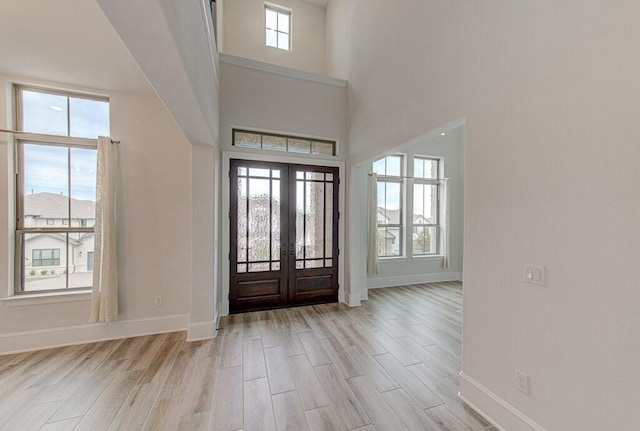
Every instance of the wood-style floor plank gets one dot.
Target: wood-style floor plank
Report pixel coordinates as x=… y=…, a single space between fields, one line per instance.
x=390 y=364
x=258 y=409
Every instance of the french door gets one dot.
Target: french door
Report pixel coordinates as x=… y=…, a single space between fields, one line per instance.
x=284 y=235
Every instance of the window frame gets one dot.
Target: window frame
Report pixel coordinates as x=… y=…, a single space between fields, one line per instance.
x=437 y=181
x=395 y=179
x=279 y=10
x=407 y=202
x=23 y=138
x=312 y=141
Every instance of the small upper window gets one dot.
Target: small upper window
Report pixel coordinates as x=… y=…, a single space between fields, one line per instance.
x=278 y=27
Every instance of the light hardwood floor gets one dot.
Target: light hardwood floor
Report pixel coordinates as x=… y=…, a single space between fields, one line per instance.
x=391 y=364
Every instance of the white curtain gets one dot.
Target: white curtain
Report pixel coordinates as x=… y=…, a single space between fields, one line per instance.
x=446 y=205
x=372 y=249
x=104 y=300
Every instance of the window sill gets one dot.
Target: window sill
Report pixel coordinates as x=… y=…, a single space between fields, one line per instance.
x=46 y=298
x=429 y=257
x=402 y=259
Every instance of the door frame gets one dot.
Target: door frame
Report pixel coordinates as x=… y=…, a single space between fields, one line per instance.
x=225 y=224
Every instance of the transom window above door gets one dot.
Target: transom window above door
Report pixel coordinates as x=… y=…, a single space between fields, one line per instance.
x=277 y=142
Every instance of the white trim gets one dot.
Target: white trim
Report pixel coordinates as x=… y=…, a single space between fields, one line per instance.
x=353 y=299
x=66 y=336
x=280 y=70
x=403 y=280
x=225 y=223
x=501 y=414
x=46 y=298
x=202 y=330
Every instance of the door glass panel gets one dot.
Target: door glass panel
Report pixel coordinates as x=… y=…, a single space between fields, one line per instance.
x=314 y=219
x=258 y=220
x=328 y=217
x=259 y=211
x=300 y=206
x=314 y=215
x=255 y=172
x=242 y=219
x=275 y=220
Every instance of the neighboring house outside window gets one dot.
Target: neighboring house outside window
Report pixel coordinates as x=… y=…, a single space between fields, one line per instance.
x=277 y=27
x=390 y=172
x=426 y=205
x=55 y=205
x=422 y=237
x=45 y=257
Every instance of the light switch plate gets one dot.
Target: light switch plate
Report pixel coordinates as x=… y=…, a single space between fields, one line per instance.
x=535 y=274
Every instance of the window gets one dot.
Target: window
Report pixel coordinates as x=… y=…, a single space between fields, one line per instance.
x=57 y=161
x=426 y=206
x=422 y=206
x=290 y=144
x=278 y=27
x=46 y=257
x=390 y=188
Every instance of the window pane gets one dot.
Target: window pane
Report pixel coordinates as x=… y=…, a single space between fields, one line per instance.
x=44 y=264
x=389 y=202
x=46 y=184
x=283 y=22
x=249 y=140
x=299 y=146
x=272 y=38
x=322 y=148
x=81 y=259
x=394 y=166
x=83 y=186
x=328 y=238
x=271 y=19
x=425 y=168
x=389 y=241
x=379 y=167
x=283 y=41
x=44 y=113
x=425 y=204
x=276 y=143
x=425 y=240
x=89 y=118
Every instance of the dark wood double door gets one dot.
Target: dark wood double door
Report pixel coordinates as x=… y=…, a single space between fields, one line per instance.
x=284 y=235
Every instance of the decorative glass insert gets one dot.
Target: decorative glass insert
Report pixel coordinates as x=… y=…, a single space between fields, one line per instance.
x=276 y=142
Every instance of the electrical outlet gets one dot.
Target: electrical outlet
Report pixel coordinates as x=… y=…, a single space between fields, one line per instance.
x=522 y=382
x=159 y=300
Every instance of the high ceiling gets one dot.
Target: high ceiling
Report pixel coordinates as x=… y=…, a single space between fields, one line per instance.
x=66 y=41
x=321 y=3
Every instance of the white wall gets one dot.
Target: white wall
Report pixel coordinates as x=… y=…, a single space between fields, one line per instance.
x=409 y=270
x=154 y=231
x=269 y=101
x=244 y=34
x=549 y=91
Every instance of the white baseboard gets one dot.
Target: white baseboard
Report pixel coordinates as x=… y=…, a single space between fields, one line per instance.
x=404 y=280
x=69 y=335
x=494 y=409
x=202 y=330
x=352 y=299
